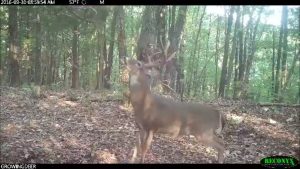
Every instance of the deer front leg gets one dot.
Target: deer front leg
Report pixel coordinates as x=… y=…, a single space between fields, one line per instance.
x=137 y=148
x=146 y=142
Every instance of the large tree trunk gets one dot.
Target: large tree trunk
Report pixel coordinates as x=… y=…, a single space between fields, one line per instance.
x=172 y=21
x=160 y=18
x=148 y=32
x=223 y=78
x=75 y=62
x=14 y=74
x=172 y=67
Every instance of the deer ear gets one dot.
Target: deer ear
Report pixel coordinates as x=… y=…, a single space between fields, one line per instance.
x=124 y=60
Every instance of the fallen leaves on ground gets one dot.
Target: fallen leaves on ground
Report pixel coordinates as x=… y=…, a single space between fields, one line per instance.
x=92 y=129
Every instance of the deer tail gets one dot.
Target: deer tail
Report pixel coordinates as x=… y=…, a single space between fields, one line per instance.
x=223 y=120
x=222 y=123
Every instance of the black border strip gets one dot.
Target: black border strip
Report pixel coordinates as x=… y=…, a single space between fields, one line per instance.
x=180 y=2
x=151 y=2
x=146 y=166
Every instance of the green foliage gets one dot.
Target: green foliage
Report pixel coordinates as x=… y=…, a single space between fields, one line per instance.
x=199 y=66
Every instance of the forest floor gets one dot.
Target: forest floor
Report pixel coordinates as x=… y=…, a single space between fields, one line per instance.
x=84 y=127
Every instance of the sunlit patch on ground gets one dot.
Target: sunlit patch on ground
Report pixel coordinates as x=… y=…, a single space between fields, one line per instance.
x=104 y=156
x=10 y=129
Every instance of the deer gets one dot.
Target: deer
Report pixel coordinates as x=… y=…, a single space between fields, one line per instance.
x=156 y=114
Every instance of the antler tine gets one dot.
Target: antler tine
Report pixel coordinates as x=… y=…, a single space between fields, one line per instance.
x=166 y=49
x=155 y=54
x=152 y=64
x=171 y=57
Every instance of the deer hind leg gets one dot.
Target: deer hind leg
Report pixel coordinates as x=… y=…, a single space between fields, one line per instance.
x=210 y=139
x=220 y=148
x=146 y=142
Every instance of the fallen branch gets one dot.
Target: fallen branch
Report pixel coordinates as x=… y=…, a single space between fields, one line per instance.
x=105 y=100
x=121 y=131
x=279 y=104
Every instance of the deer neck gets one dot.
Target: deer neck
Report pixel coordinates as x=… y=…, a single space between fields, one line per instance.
x=139 y=90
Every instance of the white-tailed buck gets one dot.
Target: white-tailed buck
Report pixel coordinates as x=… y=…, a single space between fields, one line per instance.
x=158 y=114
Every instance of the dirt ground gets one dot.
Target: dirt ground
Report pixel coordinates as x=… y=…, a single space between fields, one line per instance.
x=85 y=127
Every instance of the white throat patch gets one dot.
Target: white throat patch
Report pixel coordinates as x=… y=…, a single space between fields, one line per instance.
x=134 y=80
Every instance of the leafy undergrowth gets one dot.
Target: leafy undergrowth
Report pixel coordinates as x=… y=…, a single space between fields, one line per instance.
x=91 y=129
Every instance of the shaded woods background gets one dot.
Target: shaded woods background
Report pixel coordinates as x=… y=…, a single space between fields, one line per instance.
x=236 y=54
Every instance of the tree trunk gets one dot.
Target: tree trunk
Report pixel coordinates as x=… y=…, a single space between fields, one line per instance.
x=121 y=35
x=172 y=67
x=250 y=58
x=180 y=77
x=30 y=69
x=278 y=74
x=99 y=73
x=14 y=74
x=75 y=62
x=240 y=62
x=65 y=64
x=101 y=53
x=234 y=51
x=160 y=18
x=273 y=62
x=223 y=78
x=123 y=80
x=284 y=48
x=172 y=21
x=148 y=32
x=217 y=56
x=38 y=51
x=49 y=64
x=241 y=49
x=109 y=60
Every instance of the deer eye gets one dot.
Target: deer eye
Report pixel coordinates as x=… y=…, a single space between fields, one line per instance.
x=148 y=76
x=139 y=64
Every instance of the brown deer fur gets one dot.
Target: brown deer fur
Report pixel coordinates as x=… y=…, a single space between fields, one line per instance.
x=154 y=113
